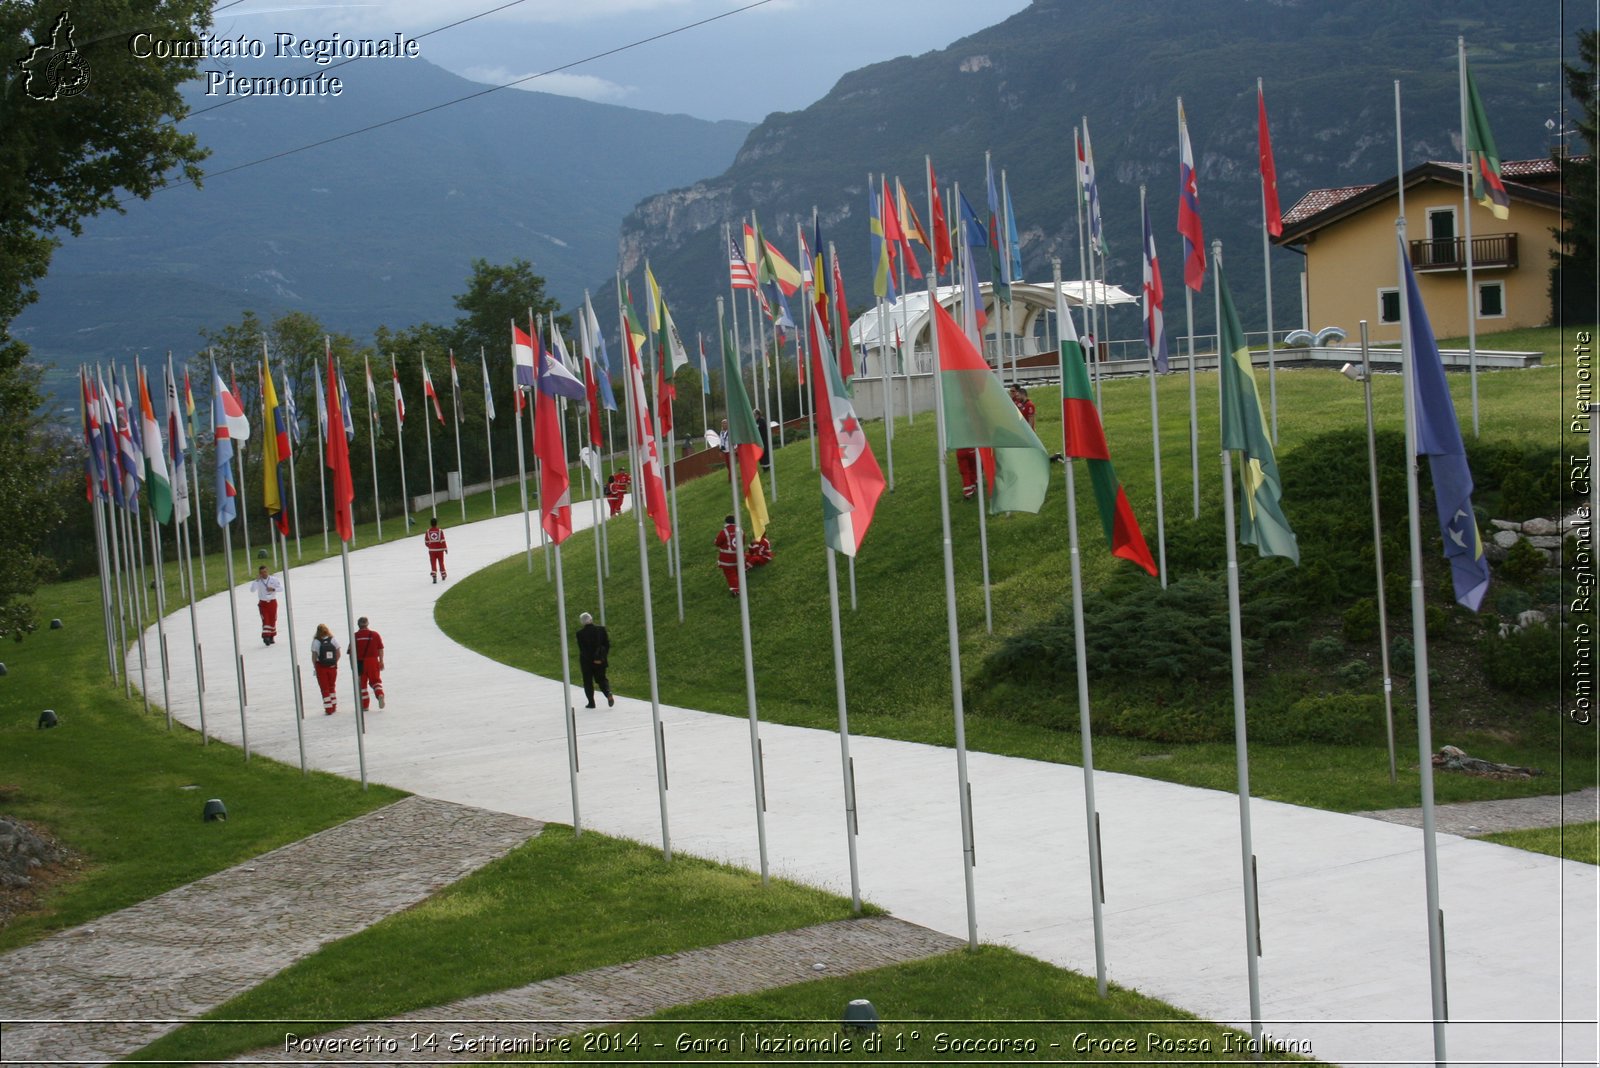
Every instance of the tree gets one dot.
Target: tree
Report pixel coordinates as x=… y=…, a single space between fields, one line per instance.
x=1574 y=283
x=86 y=121
x=32 y=469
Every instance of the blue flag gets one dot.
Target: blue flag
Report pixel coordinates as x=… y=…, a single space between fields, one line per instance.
x=1439 y=439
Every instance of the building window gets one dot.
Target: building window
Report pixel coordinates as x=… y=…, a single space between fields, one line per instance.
x=1388 y=305
x=1491 y=300
x=1442 y=249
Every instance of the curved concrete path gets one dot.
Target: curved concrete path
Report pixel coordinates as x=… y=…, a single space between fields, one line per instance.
x=1345 y=959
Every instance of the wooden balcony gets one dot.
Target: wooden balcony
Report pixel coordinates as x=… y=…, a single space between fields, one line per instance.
x=1449 y=254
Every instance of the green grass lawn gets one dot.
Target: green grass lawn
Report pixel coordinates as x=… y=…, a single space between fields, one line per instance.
x=123 y=791
x=896 y=664
x=1577 y=841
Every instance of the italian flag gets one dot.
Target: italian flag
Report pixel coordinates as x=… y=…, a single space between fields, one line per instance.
x=744 y=440
x=978 y=413
x=1085 y=439
x=156 y=480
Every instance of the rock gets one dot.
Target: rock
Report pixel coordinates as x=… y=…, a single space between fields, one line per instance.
x=1506 y=538
x=1454 y=759
x=1505 y=524
x=1531 y=618
x=23 y=851
x=1574 y=521
x=1544 y=541
x=1541 y=526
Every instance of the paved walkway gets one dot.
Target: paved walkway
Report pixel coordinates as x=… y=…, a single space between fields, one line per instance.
x=1477 y=818
x=129 y=977
x=1345 y=962
x=513 y=1021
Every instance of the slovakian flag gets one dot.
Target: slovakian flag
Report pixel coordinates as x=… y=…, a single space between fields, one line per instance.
x=1269 y=169
x=744 y=438
x=943 y=253
x=176 y=447
x=157 y=482
x=223 y=424
x=978 y=413
x=399 y=398
x=1261 y=519
x=338 y=460
x=427 y=388
x=1439 y=439
x=1487 y=188
x=852 y=482
x=1085 y=439
x=655 y=483
x=1194 y=246
x=1155 y=328
x=274 y=446
x=549 y=445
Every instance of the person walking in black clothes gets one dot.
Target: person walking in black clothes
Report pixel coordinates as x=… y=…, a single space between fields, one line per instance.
x=594 y=650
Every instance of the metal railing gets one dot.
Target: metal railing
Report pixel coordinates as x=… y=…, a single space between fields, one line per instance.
x=1449 y=253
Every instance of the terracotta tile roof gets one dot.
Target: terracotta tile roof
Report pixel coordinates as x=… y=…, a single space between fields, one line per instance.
x=1321 y=200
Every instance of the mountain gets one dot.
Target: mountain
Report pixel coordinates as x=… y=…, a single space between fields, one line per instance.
x=1018 y=88
x=376 y=228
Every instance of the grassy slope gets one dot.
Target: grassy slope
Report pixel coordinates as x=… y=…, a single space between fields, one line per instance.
x=896 y=664
x=1576 y=841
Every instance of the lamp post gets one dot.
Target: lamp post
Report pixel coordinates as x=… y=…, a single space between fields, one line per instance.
x=1330 y=335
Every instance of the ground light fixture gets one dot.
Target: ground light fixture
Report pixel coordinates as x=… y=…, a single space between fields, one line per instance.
x=47 y=719
x=862 y=1014
x=215 y=811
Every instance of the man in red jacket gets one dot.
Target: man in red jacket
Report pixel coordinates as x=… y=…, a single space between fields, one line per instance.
x=728 y=554
x=368 y=645
x=433 y=538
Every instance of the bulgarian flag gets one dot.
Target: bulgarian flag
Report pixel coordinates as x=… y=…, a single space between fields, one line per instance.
x=852 y=482
x=1084 y=438
x=156 y=480
x=978 y=413
x=743 y=438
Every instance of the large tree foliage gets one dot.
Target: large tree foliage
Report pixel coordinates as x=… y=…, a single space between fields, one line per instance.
x=1574 y=284
x=31 y=473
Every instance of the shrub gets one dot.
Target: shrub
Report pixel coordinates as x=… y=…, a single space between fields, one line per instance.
x=1510 y=602
x=1353 y=672
x=1361 y=620
x=1526 y=662
x=1329 y=719
x=1401 y=653
x=1523 y=564
x=1326 y=649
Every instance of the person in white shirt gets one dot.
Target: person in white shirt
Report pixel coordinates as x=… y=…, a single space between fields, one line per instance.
x=325 y=659
x=266 y=587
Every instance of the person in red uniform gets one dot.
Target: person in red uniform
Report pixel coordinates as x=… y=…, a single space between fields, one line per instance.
x=617 y=491
x=368 y=647
x=967 y=464
x=266 y=587
x=1019 y=397
x=325 y=659
x=728 y=554
x=759 y=554
x=433 y=538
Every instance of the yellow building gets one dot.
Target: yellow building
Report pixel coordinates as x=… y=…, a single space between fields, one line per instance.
x=1348 y=238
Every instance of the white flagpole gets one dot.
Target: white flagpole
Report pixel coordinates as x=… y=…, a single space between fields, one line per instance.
x=517 y=400
x=294 y=661
x=233 y=617
x=322 y=466
x=1266 y=263
x=130 y=576
x=194 y=634
x=569 y=713
x=592 y=367
x=372 y=448
x=488 y=439
x=636 y=450
x=238 y=456
x=135 y=535
x=261 y=382
x=400 y=444
x=757 y=765
x=455 y=403
x=350 y=653
x=811 y=386
x=1241 y=749
x=963 y=786
x=114 y=541
x=194 y=475
x=535 y=328
x=427 y=427
x=1466 y=232
x=157 y=570
x=1155 y=426
x=976 y=300
x=1091 y=814
x=883 y=359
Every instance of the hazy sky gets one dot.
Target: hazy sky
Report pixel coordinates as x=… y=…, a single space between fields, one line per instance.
x=777 y=55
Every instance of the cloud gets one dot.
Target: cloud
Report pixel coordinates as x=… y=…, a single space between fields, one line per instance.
x=416 y=15
x=583 y=86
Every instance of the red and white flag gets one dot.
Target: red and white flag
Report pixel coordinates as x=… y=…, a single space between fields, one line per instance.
x=427 y=390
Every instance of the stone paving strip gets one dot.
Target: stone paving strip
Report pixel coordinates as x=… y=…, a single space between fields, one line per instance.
x=1474 y=818
x=134 y=975
x=534 y=1018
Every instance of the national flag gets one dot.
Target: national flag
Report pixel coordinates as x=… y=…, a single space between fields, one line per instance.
x=771 y=266
x=346 y=409
x=338 y=459
x=1155 y=330
x=372 y=391
x=108 y=438
x=272 y=443
x=999 y=259
x=978 y=413
x=591 y=384
x=427 y=388
x=188 y=409
x=322 y=409
x=292 y=415
x=1487 y=188
x=943 y=254
x=912 y=226
x=740 y=274
x=1261 y=519
x=655 y=485
x=894 y=229
x=176 y=448
x=882 y=268
x=819 y=266
x=1194 y=248
x=157 y=482
x=399 y=399
x=1269 y=169
x=1012 y=243
x=488 y=393
x=89 y=420
x=131 y=460
x=852 y=482
x=744 y=438
x=1439 y=439
x=841 y=337
x=1091 y=190
x=660 y=346
x=973 y=233
x=705 y=375
x=1084 y=438
x=233 y=411
x=222 y=424
x=455 y=387
x=550 y=447
x=602 y=362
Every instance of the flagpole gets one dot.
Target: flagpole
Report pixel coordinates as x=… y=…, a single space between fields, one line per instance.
x=238 y=456
x=294 y=491
x=427 y=427
x=372 y=446
x=1188 y=307
x=591 y=367
x=535 y=328
x=400 y=443
x=136 y=533
x=130 y=545
x=194 y=475
x=635 y=393
x=113 y=464
x=294 y=660
x=261 y=382
x=963 y=787
x=455 y=403
x=1419 y=627
x=233 y=617
x=1090 y=812
x=355 y=675
x=846 y=765
x=161 y=598
x=757 y=767
x=1151 y=348
x=97 y=512
x=1252 y=916
x=1377 y=549
x=488 y=439
x=522 y=464
x=194 y=635
x=1466 y=218
x=808 y=396
x=1266 y=262
x=569 y=713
